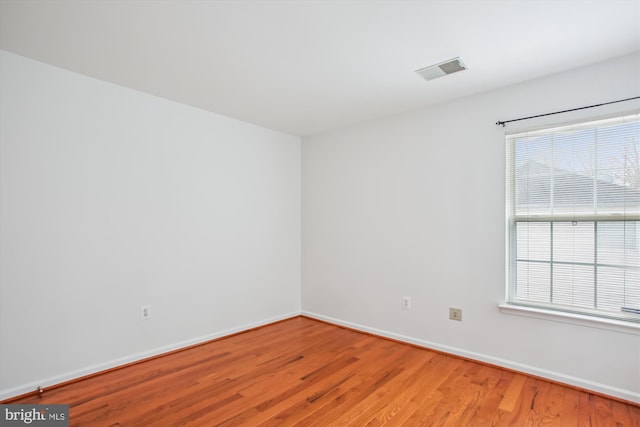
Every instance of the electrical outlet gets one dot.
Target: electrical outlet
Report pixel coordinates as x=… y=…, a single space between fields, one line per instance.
x=406 y=303
x=145 y=312
x=455 y=314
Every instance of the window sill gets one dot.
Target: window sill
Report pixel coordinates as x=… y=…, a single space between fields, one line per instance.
x=572 y=318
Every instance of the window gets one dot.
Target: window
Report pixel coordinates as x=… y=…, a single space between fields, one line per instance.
x=573 y=208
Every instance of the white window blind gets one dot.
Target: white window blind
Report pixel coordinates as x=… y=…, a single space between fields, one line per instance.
x=573 y=207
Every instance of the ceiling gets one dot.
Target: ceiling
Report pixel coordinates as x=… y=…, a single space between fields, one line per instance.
x=304 y=67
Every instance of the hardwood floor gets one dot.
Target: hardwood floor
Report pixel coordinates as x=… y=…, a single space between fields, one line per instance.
x=304 y=372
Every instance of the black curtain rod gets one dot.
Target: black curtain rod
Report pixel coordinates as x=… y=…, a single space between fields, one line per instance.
x=565 y=111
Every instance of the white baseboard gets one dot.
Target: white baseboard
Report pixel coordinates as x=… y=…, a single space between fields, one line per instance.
x=627 y=395
x=555 y=376
x=57 y=379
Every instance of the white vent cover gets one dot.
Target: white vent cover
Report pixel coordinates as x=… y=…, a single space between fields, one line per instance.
x=442 y=69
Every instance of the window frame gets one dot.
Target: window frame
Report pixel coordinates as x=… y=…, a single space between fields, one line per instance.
x=624 y=322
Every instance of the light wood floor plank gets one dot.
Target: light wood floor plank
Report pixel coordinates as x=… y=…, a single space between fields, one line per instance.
x=513 y=392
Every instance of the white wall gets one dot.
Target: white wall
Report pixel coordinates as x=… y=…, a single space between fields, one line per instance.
x=111 y=199
x=414 y=205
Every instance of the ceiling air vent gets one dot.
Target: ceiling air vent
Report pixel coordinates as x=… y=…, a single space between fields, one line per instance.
x=442 y=69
